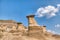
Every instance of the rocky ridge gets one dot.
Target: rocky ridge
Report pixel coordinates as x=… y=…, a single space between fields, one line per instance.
x=33 y=32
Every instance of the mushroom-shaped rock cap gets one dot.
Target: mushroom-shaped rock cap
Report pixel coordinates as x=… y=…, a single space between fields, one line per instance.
x=19 y=23
x=30 y=16
x=44 y=26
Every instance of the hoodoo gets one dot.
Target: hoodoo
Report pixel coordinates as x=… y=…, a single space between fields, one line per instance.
x=12 y=30
x=31 y=21
x=33 y=27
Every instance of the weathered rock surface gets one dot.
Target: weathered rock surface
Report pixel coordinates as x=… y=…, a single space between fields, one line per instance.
x=32 y=36
x=18 y=32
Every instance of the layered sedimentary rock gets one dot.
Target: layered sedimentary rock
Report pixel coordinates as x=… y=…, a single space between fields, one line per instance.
x=37 y=31
x=20 y=26
x=12 y=30
x=7 y=25
x=33 y=26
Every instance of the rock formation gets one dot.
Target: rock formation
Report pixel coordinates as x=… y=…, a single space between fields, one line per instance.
x=12 y=30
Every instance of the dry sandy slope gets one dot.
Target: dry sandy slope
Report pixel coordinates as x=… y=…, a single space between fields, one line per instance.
x=18 y=36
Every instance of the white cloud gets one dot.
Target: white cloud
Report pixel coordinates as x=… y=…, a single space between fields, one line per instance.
x=58 y=5
x=51 y=31
x=48 y=11
x=57 y=25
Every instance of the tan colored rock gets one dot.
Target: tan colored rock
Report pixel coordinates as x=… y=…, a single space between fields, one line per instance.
x=31 y=21
x=7 y=25
x=33 y=26
x=20 y=26
x=11 y=30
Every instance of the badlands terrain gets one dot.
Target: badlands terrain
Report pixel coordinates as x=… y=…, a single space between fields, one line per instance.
x=20 y=32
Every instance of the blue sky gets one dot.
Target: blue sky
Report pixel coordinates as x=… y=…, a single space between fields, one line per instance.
x=18 y=10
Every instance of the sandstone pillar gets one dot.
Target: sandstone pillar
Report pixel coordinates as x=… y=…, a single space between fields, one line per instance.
x=20 y=26
x=31 y=21
x=32 y=24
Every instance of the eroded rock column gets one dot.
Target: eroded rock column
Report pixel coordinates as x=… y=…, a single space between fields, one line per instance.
x=31 y=21
x=32 y=24
x=20 y=26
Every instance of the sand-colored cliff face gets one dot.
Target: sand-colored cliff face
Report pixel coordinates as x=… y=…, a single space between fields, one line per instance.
x=33 y=26
x=11 y=30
